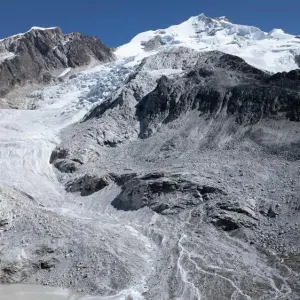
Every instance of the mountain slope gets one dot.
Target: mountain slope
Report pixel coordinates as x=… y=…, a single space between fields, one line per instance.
x=274 y=51
x=208 y=146
x=170 y=174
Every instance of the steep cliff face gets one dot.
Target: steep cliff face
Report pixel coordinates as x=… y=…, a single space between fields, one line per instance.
x=221 y=84
x=41 y=55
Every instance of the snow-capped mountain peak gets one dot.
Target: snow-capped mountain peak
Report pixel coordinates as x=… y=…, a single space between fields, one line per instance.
x=274 y=51
x=223 y=19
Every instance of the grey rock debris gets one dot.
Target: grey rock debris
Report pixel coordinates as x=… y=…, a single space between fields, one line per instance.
x=212 y=145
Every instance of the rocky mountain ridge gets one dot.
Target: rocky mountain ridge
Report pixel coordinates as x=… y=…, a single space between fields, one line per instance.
x=40 y=56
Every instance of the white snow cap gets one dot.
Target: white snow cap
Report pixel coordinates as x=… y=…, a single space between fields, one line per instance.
x=274 y=51
x=223 y=19
x=41 y=28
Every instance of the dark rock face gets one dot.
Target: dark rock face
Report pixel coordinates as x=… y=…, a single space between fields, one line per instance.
x=170 y=194
x=58 y=153
x=229 y=216
x=59 y=159
x=232 y=88
x=153 y=44
x=66 y=165
x=88 y=184
x=37 y=54
x=163 y=193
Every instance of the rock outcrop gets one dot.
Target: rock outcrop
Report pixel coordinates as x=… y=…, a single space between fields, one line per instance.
x=163 y=193
x=220 y=84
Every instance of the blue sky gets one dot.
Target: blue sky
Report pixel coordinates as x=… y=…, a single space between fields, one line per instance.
x=117 y=21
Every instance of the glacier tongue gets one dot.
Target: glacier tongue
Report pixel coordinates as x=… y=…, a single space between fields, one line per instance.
x=27 y=137
x=274 y=51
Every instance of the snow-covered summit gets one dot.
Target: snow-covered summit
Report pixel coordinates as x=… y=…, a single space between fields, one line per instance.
x=274 y=51
x=42 y=28
x=223 y=19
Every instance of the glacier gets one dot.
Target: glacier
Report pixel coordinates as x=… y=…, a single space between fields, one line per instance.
x=274 y=51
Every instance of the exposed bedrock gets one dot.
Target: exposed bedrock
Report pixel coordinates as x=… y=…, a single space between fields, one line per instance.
x=163 y=193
